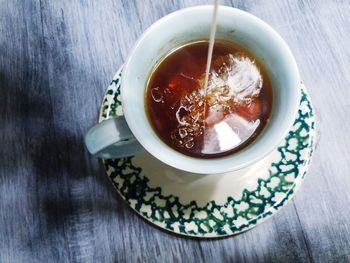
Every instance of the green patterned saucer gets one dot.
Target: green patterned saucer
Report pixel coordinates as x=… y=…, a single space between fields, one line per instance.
x=212 y=205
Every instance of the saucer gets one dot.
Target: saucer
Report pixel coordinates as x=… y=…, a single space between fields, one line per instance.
x=213 y=205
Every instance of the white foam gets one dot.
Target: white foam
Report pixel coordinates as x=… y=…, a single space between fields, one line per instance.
x=238 y=78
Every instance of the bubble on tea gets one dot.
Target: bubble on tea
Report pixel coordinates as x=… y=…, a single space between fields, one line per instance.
x=157 y=94
x=190 y=117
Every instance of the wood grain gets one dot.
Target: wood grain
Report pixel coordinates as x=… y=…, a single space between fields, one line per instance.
x=57 y=205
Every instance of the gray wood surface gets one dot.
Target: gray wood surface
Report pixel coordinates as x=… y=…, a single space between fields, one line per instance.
x=56 y=203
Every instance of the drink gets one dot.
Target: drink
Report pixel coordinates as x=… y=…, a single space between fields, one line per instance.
x=213 y=122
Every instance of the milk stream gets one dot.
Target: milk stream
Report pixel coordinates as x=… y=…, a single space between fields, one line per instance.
x=210 y=52
x=211 y=44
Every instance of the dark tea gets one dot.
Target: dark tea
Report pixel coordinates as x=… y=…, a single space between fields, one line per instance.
x=213 y=122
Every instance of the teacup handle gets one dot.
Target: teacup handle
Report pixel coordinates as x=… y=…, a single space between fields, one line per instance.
x=112 y=138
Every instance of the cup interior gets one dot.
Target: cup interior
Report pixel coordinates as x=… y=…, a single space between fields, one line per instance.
x=191 y=24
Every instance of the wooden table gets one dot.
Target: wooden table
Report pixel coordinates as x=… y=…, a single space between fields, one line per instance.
x=57 y=204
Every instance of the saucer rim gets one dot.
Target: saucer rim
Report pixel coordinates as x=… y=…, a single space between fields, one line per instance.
x=285 y=200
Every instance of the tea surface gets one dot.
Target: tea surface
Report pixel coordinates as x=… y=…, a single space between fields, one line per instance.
x=227 y=117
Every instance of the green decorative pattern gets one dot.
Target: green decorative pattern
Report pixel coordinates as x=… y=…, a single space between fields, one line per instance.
x=111 y=105
x=212 y=220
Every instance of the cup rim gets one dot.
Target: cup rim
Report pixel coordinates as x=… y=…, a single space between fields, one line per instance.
x=200 y=165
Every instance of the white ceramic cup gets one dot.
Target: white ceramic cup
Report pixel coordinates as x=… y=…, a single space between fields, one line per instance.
x=119 y=137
